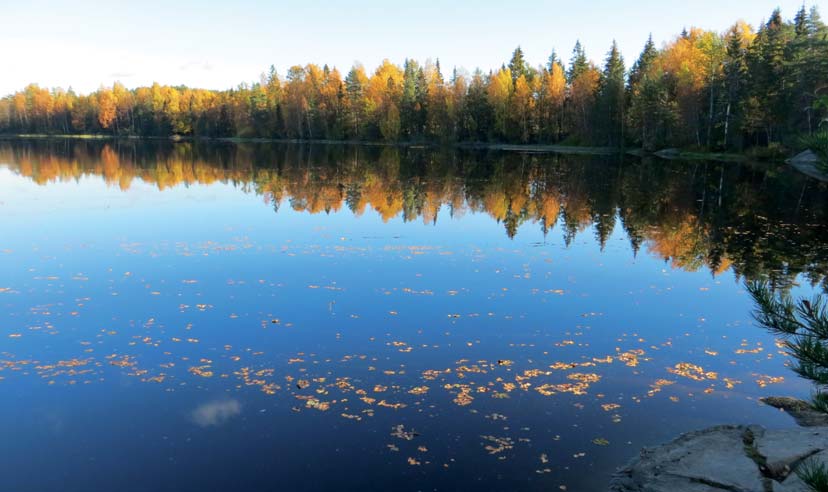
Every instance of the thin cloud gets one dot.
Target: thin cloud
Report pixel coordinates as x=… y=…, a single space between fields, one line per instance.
x=197 y=65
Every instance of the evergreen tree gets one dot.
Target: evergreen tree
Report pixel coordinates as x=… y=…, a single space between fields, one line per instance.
x=476 y=124
x=808 y=68
x=803 y=324
x=769 y=79
x=645 y=61
x=410 y=109
x=355 y=106
x=552 y=60
x=735 y=69
x=517 y=65
x=647 y=116
x=578 y=64
x=611 y=103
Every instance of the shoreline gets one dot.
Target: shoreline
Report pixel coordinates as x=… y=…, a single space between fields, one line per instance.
x=810 y=171
x=528 y=148
x=733 y=457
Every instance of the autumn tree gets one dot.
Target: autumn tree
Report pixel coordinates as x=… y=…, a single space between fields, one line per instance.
x=551 y=98
x=499 y=94
x=437 y=100
x=521 y=107
x=107 y=110
x=583 y=78
x=383 y=93
x=297 y=106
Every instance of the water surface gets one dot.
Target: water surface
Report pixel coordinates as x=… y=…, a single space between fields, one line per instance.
x=256 y=317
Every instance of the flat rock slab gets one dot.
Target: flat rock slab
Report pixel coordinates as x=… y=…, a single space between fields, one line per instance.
x=732 y=458
x=801 y=411
x=807 y=163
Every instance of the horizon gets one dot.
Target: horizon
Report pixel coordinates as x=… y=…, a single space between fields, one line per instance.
x=220 y=57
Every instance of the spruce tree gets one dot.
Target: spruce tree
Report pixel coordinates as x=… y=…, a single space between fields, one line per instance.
x=578 y=63
x=642 y=66
x=735 y=71
x=647 y=94
x=517 y=65
x=553 y=59
x=611 y=99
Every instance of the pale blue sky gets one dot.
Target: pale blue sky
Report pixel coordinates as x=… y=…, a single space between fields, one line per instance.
x=205 y=43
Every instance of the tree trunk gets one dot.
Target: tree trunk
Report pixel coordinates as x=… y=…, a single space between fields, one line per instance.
x=727 y=124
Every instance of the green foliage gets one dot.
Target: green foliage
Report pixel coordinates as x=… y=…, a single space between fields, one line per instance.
x=819 y=400
x=803 y=324
x=518 y=65
x=611 y=101
x=818 y=143
x=774 y=151
x=821 y=103
x=578 y=63
x=814 y=474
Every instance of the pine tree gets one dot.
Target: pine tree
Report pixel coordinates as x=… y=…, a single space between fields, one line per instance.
x=801 y=23
x=645 y=61
x=517 y=65
x=647 y=116
x=477 y=121
x=735 y=69
x=578 y=63
x=770 y=79
x=409 y=107
x=803 y=324
x=807 y=54
x=355 y=84
x=552 y=60
x=611 y=102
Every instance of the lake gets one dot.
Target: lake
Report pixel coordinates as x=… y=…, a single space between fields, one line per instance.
x=193 y=316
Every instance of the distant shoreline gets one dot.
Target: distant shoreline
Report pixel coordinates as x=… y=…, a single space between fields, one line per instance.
x=668 y=154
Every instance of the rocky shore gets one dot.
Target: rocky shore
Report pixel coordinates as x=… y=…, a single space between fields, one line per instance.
x=736 y=458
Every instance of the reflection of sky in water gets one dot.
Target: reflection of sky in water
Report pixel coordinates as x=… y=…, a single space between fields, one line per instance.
x=216 y=412
x=193 y=339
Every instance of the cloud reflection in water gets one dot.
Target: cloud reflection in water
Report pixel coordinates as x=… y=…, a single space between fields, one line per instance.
x=215 y=412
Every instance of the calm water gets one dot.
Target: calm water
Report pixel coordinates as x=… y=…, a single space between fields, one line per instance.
x=220 y=317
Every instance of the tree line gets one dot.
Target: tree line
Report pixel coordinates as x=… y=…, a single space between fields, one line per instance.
x=703 y=89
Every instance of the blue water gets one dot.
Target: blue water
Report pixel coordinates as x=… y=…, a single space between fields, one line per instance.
x=222 y=330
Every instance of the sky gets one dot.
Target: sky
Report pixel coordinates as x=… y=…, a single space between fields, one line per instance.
x=84 y=44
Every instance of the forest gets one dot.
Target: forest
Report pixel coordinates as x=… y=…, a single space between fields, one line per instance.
x=745 y=88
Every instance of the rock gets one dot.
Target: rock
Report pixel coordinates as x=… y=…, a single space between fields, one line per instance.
x=784 y=450
x=732 y=458
x=806 y=157
x=801 y=411
x=668 y=153
x=808 y=163
x=696 y=461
